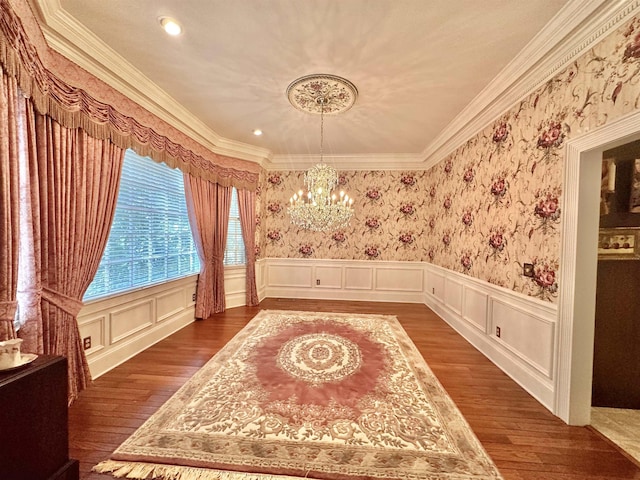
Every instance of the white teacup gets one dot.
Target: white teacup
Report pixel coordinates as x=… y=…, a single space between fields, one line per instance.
x=10 y=353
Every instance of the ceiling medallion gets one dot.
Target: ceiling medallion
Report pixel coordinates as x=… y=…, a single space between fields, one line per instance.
x=320 y=209
x=322 y=93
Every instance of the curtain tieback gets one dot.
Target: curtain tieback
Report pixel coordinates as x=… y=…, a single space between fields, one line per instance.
x=70 y=305
x=8 y=311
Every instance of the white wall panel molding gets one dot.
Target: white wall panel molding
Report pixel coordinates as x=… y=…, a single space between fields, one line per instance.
x=115 y=354
x=345 y=280
x=526 y=348
x=95 y=328
x=522 y=373
x=289 y=274
x=475 y=308
x=435 y=284
x=131 y=318
x=358 y=278
x=527 y=336
x=261 y=278
x=328 y=276
x=405 y=277
x=453 y=289
x=170 y=303
x=235 y=287
x=123 y=325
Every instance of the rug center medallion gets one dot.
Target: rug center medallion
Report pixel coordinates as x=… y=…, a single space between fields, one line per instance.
x=318 y=358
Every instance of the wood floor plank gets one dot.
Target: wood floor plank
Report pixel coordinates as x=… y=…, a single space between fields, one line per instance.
x=522 y=437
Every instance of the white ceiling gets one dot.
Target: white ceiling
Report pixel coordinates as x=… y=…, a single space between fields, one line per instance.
x=416 y=63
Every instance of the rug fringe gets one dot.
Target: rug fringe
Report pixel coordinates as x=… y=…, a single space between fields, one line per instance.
x=154 y=471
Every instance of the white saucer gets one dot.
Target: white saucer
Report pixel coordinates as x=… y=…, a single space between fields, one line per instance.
x=25 y=359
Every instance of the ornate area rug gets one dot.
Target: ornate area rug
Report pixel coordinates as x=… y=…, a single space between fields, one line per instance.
x=308 y=395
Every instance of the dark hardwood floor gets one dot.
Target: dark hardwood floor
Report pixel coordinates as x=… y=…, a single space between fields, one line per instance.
x=522 y=437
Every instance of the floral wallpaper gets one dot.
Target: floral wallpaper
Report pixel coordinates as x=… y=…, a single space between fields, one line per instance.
x=491 y=205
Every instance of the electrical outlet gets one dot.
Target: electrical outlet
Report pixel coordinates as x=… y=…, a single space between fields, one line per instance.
x=527 y=269
x=86 y=343
x=498 y=332
x=193 y=297
x=318 y=281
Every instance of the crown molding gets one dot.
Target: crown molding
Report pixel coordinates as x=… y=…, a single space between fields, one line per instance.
x=577 y=27
x=380 y=161
x=97 y=58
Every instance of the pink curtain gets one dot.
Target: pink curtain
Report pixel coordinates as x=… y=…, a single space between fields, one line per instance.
x=208 y=207
x=73 y=182
x=9 y=203
x=247 y=208
x=201 y=197
x=219 y=244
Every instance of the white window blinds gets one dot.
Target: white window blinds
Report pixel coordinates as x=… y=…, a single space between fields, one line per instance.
x=150 y=240
x=234 y=252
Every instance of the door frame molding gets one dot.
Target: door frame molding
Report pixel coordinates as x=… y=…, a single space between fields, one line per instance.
x=578 y=264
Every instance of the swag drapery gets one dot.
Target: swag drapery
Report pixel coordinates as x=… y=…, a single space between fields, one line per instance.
x=72 y=185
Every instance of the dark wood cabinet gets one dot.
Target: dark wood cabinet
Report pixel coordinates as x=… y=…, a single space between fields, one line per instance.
x=34 y=442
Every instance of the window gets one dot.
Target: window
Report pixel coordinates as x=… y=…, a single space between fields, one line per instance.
x=234 y=251
x=150 y=240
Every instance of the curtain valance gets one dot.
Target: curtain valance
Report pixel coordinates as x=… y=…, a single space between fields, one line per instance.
x=75 y=98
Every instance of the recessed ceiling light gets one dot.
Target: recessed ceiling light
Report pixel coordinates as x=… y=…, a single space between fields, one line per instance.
x=171 y=26
x=257 y=132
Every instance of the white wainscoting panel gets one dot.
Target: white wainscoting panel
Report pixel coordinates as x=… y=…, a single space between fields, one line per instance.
x=345 y=280
x=453 y=294
x=289 y=274
x=525 y=349
x=94 y=328
x=261 y=278
x=328 y=276
x=235 y=286
x=123 y=325
x=358 y=278
x=131 y=318
x=435 y=284
x=474 y=308
x=525 y=334
x=170 y=303
x=400 y=279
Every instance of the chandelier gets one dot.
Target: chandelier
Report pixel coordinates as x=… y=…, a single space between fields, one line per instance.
x=320 y=209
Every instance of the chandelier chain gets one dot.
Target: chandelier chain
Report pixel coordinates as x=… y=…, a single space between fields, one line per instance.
x=322 y=102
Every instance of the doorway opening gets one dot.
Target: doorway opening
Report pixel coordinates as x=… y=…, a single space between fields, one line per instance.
x=578 y=269
x=615 y=397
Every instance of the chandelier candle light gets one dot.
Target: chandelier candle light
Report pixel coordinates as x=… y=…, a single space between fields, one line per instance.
x=319 y=209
